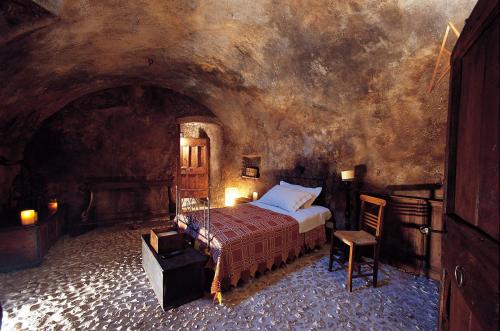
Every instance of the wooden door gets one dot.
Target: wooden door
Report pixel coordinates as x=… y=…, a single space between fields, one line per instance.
x=470 y=284
x=194 y=166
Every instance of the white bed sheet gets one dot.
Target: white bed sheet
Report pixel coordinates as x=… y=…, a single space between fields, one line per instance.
x=308 y=218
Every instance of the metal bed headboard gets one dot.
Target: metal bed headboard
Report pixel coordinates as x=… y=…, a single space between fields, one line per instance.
x=187 y=203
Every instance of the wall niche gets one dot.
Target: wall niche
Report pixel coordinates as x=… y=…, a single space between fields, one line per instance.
x=250 y=166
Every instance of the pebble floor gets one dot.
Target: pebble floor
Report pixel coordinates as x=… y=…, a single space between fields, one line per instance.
x=96 y=282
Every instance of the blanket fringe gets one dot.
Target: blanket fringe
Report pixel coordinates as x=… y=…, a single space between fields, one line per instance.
x=218 y=298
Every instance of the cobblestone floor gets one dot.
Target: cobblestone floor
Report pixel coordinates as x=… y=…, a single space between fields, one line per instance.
x=96 y=281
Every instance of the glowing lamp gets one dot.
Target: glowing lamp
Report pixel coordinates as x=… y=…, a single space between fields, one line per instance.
x=28 y=217
x=348 y=175
x=255 y=196
x=231 y=193
x=52 y=206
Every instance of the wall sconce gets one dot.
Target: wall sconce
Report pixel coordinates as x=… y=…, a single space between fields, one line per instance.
x=28 y=217
x=52 y=206
x=348 y=175
x=231 y=193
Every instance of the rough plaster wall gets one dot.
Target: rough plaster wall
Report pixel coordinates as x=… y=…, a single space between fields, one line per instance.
x=121 y=133
x=214 y=133
x=326 y=84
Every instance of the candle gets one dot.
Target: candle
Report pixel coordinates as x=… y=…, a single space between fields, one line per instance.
x=52 y=206
x=348 y=175
x=255 y=196
x=28 y=217
x=231 y=193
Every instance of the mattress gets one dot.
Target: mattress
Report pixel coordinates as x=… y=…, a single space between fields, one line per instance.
x=308 y=218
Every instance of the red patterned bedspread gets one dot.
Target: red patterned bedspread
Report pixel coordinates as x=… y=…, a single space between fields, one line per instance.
x=247 y=239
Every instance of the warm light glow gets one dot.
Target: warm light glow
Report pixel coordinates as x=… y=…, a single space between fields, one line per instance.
x=348 y=175
x=231 y=194
x=28 y=217
x=52 y=206
x=255 y=196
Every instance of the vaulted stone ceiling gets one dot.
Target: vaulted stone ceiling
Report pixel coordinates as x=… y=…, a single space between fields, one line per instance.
x=337 y=83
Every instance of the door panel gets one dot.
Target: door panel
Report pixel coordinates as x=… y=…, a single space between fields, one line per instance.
x=489 y=149
x=476 y=194
x=470 y=289
x=469 y=119
x=472 y=261
x=194 y=165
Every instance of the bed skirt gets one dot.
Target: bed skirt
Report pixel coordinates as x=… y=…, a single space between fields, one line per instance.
x=311 y=239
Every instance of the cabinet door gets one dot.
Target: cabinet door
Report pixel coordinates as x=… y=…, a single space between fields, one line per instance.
x=471 y=263
x=473 y=177
x=470 y=292
x=436 y=239
x=457 y=314
x=404 y=245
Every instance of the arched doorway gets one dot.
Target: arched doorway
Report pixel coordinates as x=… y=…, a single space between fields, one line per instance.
x=204 y=131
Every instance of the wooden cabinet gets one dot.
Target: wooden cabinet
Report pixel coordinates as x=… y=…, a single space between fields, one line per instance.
x=25 y=246
x=470 y=290
x=412 y=235
x=471 y=278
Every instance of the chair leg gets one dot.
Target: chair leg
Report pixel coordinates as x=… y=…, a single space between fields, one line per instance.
x=330 y=264
x=332 y=249
x=352 y=252
x=376 y=252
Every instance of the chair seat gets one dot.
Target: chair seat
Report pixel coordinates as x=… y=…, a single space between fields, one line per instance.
x=358 y=238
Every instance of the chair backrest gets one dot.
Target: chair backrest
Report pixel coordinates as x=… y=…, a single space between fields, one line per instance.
x=372 y=219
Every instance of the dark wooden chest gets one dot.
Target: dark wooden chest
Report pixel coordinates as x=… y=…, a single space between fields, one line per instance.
x=176 y=280
x=24 y=246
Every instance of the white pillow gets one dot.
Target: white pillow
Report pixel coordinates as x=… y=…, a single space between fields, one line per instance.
x=314 y=191
x=285 y=198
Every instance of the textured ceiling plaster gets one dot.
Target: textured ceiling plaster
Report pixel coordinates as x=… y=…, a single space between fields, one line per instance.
x=54 y=6
x=333 y=82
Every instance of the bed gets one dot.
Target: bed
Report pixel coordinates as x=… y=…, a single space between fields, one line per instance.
x=252 y=237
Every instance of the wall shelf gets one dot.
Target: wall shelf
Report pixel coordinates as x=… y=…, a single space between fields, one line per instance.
x=248 y=177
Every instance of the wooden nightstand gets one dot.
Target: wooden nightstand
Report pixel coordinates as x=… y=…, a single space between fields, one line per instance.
x=241 y=200
x=330 y=227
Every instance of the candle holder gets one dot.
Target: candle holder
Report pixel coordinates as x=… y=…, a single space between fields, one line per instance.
x=28 y=217
x=52 y=206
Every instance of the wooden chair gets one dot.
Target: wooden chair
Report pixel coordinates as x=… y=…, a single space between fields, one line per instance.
x=369 y=235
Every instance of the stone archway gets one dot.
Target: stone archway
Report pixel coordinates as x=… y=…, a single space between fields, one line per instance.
x=211 y=128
